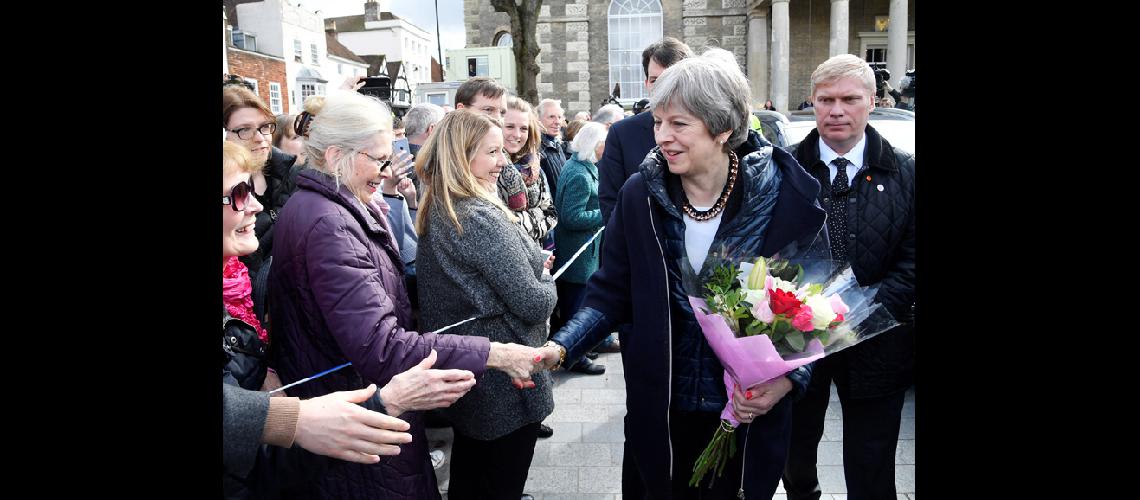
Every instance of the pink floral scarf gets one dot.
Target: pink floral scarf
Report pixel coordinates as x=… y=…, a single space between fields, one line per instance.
x=237 y=294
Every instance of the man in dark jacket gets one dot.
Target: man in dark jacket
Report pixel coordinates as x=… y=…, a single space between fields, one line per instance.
x=629 y=140
x=552 y=116
x=868 y=190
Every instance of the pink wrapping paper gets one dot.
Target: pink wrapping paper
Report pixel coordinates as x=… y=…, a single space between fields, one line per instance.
x=748 y=360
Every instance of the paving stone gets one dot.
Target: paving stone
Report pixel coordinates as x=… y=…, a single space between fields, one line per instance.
x=599 y=479
x=904 y=453
x=551 y=480
x=564 y=432
x=580 y=454
x=603 y=396
x=829 y=453
x=567 y=396
x=904 y=478
x=906 y=428
x=611 y=431
x=586 y=413
x=831 y=478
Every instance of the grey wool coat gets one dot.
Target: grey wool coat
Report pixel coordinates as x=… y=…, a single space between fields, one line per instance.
x=494 y=271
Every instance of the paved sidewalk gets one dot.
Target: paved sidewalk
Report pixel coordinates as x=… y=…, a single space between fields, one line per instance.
x=582 y=461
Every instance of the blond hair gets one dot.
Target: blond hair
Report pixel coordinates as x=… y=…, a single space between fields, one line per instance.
x=844 y=66
x=444 y=166
x=532 y=138
x=237 y=159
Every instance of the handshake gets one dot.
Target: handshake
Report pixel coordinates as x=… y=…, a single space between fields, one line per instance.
x=520 y=361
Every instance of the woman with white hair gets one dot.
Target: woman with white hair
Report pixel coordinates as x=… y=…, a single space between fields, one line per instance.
x=580 y=217
x=711 y=191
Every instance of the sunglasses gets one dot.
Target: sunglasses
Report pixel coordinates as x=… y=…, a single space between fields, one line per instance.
x=239 y=196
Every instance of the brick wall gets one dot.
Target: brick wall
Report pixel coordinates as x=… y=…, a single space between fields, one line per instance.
x=264 y=69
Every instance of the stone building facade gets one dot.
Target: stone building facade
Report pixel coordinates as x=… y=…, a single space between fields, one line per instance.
x=777 y=42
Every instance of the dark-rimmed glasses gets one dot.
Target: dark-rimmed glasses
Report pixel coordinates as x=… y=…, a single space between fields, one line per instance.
x=245 y=133
x=383 y=164
x=239 y=196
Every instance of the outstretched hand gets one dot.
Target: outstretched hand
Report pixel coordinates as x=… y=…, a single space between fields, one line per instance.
x=425 y=388
x=335 y=425
x=517 y=361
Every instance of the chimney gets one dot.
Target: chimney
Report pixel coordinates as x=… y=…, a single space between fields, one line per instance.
x=371 y=11
x=330 y=27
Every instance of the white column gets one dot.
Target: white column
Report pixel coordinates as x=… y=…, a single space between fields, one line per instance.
x=839 y=23
x=896 y=42
x=780 y=32
x=225 y=37
x=758 y=54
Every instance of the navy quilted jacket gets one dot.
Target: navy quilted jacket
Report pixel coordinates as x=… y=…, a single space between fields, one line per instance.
x=773 y=205
x=880 y=246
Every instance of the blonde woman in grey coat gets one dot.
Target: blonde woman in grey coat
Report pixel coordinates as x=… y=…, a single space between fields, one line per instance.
x=475 y=261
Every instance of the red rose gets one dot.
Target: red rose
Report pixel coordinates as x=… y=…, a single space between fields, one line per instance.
x=837 y=321
x=782 y=302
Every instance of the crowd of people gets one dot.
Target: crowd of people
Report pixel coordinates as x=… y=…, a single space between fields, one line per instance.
x=399 y=267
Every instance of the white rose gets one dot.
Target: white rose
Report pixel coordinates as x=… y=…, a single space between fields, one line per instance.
x=786 y=286
x=821 y=313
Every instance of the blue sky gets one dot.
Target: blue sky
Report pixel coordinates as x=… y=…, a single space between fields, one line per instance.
x=453 y=34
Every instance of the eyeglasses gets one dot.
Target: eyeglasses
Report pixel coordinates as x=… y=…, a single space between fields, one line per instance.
x=383 y=164
x=245 y=133
x=239 y=196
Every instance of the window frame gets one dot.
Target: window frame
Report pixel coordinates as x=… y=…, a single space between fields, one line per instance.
x=275 y=103
x=632 y=25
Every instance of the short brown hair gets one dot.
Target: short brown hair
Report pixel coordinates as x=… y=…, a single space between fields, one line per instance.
x=666 y=52
x=235 y=97
x=479 y=85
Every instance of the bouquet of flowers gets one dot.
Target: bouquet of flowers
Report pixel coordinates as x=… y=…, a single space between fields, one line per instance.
x=766 y=318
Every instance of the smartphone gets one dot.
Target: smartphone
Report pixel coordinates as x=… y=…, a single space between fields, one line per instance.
x=379 y=87
x=400 y=145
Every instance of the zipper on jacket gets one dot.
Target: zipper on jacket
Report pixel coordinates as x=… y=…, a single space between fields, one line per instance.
x=743 y=461
x=669 y=337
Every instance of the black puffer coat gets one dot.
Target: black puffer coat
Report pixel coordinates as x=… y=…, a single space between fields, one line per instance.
x=880 y=247
x=278 y=188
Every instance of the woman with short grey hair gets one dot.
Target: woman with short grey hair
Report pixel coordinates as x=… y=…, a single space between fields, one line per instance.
x=580 y=216
x=712 y=191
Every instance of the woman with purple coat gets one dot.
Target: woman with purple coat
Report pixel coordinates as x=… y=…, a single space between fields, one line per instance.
x=337 y=295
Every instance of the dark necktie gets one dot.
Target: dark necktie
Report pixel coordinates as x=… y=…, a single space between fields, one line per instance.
x=837 y=211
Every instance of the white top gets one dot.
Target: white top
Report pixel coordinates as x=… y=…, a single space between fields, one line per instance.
x=855 y=156
x=699 y=237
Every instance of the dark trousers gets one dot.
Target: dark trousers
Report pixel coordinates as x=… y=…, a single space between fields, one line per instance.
x=870 y=435
x=767 y=443
x=491 y=470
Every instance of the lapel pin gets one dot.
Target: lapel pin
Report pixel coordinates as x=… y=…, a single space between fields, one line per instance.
x=868 y=178
x=879 y=187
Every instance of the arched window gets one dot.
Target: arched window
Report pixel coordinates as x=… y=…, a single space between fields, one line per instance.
x=633 y=25
x=503 y=39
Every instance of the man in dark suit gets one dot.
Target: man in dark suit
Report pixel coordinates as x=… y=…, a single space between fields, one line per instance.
x=867 y=187
x=629 y=140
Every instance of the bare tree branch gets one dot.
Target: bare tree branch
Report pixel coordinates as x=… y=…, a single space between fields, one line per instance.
x=524 y=21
